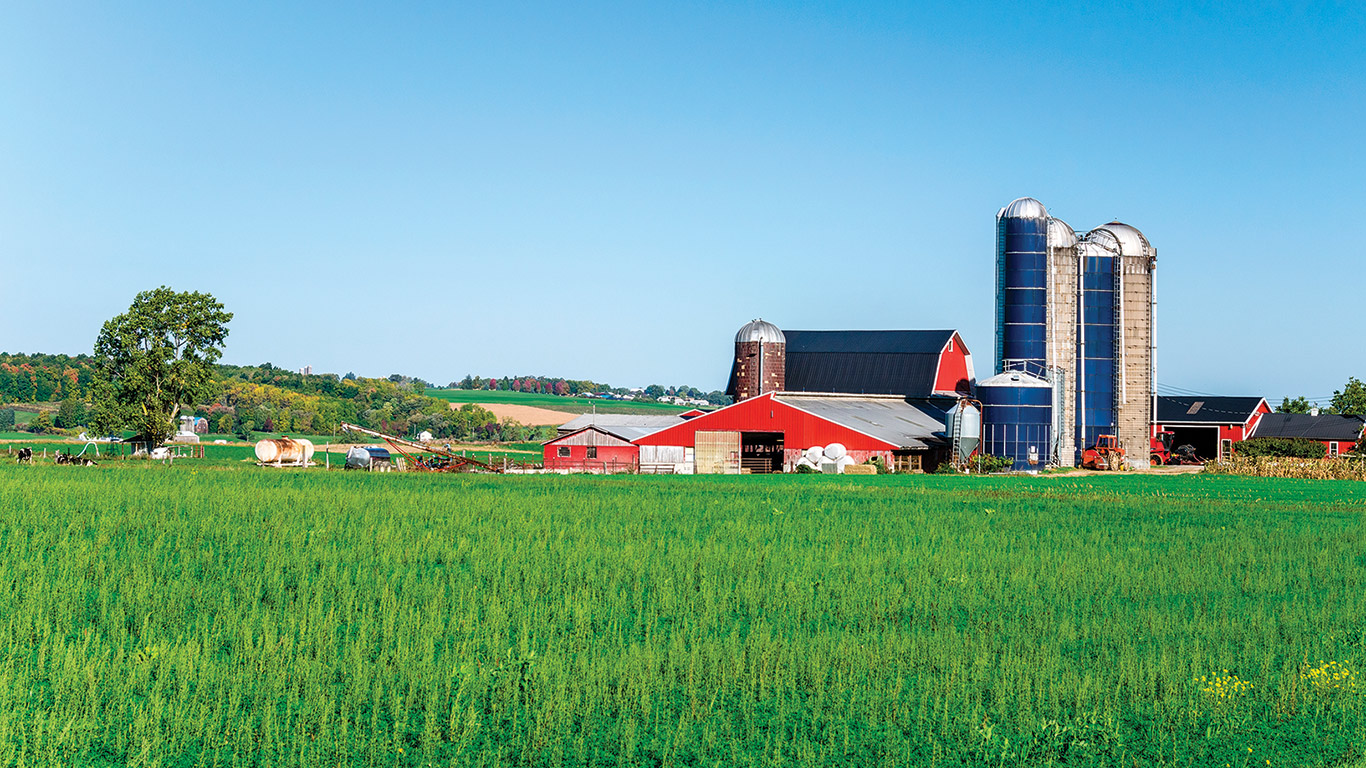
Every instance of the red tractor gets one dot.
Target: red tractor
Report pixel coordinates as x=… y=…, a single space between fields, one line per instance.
x=1161 y=453
x=1105 y=454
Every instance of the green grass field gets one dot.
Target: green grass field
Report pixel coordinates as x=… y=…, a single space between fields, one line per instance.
x=218 y=614
x=554 y=402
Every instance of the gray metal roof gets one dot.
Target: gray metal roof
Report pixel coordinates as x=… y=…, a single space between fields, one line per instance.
x=886 y=418
x=632 y=420
x=1325 y=426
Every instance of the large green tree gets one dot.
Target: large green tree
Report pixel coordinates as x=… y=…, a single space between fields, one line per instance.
x=155 y=357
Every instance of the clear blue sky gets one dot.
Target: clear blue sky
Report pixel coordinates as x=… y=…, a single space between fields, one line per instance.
x=609 y=191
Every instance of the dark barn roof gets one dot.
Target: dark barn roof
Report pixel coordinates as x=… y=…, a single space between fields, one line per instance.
x=1325 y=426
x=861 y=362
x=1206 y=410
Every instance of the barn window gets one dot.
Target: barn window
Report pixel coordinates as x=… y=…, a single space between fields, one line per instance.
x=592 y=451
x=562 y=451
x=906 y=462
x=1332 y=449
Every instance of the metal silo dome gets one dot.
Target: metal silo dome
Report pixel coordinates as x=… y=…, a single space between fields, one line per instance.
x=1061 y=234
x=1131 y=242
x=1024 y=208
x=1102 y=237
x=760 y=330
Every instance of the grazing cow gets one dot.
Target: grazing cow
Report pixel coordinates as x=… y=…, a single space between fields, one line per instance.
x=25 y=455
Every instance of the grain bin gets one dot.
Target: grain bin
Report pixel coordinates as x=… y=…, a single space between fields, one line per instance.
x=284 y=450
x=1017 y=418
x=963 y=426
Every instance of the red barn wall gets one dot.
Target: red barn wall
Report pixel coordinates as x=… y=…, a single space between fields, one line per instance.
x=953 y=376
x=621 y=458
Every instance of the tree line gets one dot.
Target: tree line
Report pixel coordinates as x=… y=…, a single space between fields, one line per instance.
x=548 y=385
x=1351 y=399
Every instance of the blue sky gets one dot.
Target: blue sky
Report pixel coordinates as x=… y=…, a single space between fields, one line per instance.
x=609 y=191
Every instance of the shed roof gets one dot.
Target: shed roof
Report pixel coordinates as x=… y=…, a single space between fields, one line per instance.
x=888 y=418
x=861 y=362
x=1325 y=426
x=612 y=422
x=589 y=436
x=1206 y=410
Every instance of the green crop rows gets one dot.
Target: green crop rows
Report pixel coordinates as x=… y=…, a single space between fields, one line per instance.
x=193 y=615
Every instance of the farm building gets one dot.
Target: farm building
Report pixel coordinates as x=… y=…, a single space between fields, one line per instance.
x=595 y=448
x=770 y=432
x=1339 y=433
x=906 y=363
x=1211 y=424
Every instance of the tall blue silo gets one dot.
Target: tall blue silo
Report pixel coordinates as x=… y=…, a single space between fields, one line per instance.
x=1017 y=418
x=1098 y=313
x=1022 y=284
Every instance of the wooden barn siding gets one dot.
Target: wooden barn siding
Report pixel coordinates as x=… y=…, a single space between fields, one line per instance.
x=953 y=368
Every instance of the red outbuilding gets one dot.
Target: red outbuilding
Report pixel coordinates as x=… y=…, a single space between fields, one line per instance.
x=591 y=449
x=1211 y=424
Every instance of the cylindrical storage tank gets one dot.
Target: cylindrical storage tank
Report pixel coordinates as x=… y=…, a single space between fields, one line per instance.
x=358 y=457
x=1021 y=283
x=963 y=426
x=1098 y=338
x=284 y=450
x=1017 y=418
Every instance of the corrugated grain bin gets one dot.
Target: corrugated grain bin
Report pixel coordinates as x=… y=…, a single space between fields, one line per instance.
x=284 y=450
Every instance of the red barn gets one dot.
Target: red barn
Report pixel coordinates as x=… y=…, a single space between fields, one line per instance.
x=1211 y=424
x=1339 y=433
x=769 y=433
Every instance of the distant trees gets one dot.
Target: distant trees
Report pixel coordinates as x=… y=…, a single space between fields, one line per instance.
x=6 y=419
x=1293 y=405
x=1351 y=399
x=70 y=414
x=44 y=378
x=41 y=424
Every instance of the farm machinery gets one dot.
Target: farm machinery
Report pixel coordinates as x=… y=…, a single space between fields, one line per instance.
x=1104 y=455
x=1162 y=454
x=441 y=460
